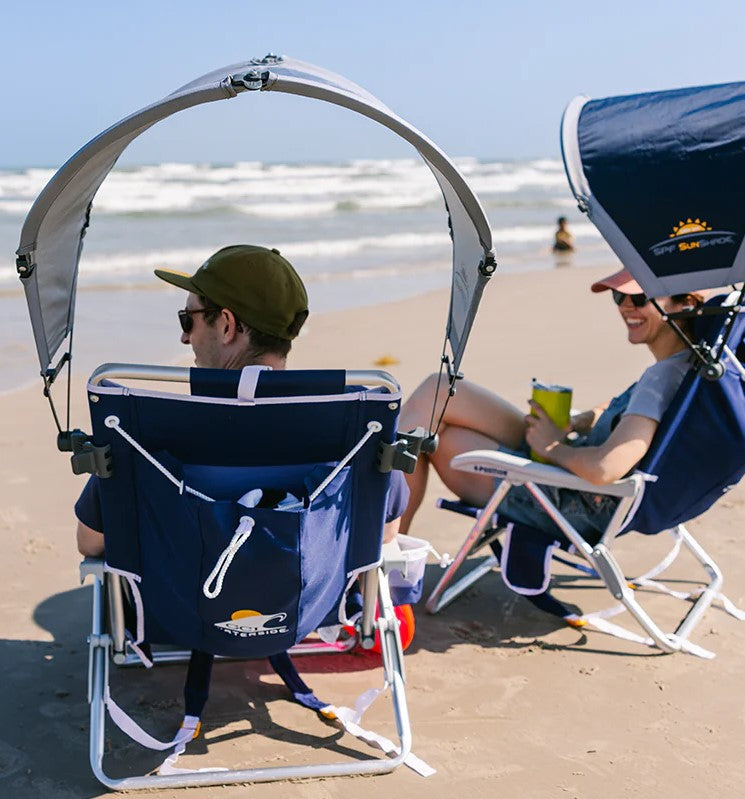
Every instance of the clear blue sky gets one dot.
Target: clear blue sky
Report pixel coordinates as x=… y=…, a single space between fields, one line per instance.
x=488 y=79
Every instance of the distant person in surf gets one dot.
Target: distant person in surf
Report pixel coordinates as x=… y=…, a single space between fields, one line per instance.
x=563 y=239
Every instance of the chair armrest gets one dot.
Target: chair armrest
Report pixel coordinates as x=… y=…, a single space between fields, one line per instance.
x=92 y=566
x=518 y=470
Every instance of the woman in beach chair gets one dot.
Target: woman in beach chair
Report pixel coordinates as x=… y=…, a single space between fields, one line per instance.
x=608 y=441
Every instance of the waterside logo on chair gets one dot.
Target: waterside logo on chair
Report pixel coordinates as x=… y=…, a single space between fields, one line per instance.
x=693 y=234
x=251 y=623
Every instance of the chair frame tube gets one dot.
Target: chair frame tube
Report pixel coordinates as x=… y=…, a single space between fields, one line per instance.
x=517 y=471
x=100 y=645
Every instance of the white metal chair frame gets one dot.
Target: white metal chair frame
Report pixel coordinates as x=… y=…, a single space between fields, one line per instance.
x=514 y=471
x=108 y=641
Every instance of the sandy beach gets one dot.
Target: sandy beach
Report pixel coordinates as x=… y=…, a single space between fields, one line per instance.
x=504 y=700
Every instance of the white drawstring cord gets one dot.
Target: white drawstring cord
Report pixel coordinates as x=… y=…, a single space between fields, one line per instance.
x=372 y=428
x=113 y=423
x=242 y=532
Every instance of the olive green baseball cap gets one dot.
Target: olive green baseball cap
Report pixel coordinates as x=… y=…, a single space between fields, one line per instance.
x=258 y=285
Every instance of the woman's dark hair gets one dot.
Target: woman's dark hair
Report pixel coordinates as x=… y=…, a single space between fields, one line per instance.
x=687 y=299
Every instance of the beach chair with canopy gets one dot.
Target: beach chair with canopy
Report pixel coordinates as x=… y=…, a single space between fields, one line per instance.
x=660 y=176
x=202 y=570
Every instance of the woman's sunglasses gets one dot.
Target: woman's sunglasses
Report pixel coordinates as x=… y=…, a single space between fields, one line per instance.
x=637 y=300
x=185 y=318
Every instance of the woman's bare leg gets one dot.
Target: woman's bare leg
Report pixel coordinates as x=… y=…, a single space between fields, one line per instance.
x=473 y=407
x=474 y=418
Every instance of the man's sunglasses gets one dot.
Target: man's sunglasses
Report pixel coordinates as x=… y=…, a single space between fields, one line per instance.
x=185 y=318
x=637 y=300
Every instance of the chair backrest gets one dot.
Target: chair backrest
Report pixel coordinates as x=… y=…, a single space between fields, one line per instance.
x=288 y=431
x=698 y=452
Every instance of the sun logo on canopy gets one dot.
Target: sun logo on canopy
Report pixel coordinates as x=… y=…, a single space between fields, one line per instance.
x=689 y=226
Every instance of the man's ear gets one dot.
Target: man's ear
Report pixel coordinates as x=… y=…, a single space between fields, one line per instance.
x=229 y=325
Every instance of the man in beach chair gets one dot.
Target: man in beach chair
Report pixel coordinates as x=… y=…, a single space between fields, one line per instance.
x=244 y=307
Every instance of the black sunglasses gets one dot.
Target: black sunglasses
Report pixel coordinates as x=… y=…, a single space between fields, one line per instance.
x=185 y=318
x=637 y=300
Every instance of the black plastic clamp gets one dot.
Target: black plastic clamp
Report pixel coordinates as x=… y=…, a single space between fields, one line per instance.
x=402 y=454
x=86 y=457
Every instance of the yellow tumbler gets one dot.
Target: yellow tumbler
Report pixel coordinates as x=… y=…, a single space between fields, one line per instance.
x=556 y=401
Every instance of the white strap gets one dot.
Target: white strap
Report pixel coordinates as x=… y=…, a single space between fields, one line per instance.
x=727 y=605
x=130 y=727
x=249 y=380
x=730 y=607
x=598 y=620
x=139 y=635
x=350 y=720
x=189 y=730
x=664 y=563
x=444 y=560
x=241 y=535
x=140 y=652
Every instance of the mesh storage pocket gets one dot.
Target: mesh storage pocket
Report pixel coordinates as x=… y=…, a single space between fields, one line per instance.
x=324 y=539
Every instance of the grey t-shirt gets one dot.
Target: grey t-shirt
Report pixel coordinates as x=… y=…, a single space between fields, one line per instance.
x=649 y=396
x=590 y=513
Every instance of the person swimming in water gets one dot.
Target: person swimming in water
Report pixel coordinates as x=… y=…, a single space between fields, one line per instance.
x=563 y=239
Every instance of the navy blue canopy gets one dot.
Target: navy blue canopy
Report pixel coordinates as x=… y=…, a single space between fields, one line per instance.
x=661 y=175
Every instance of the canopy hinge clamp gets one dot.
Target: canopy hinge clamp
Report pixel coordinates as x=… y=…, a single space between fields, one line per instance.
x=453 y=376
x=402 y=454
x=86 y=457
x=710 y=364
x=50 y=374
x=25 y=265
x=488 y=266
x=253 y=80
x=268 y=59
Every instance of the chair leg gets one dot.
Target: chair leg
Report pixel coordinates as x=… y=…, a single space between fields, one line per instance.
x=611 y=574
x=707 y=596
x=393 y=664
x=98 y=678
x=442 y=595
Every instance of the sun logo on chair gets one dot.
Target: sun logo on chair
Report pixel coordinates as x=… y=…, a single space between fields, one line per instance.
x=251 y=623
x=689 y=226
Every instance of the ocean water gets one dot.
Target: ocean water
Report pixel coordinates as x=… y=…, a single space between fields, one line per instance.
x=359 y=232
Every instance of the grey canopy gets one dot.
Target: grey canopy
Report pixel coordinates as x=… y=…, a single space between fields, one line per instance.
x=52 y=235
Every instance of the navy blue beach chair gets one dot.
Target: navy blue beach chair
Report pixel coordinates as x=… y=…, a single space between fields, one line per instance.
x=208 y=569
x=698 y=453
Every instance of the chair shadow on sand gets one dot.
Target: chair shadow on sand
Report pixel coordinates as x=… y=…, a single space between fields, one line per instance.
x=44 y=751
x=491 y=615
